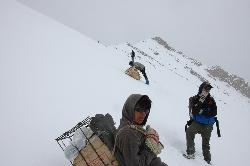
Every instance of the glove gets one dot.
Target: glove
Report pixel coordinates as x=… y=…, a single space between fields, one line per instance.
x=201 y=111
x=203 y=96
x=152 y=141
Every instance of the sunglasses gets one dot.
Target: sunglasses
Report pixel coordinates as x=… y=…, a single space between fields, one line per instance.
x=207 y=88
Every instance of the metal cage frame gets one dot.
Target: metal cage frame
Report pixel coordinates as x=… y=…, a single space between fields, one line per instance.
x=70 y=133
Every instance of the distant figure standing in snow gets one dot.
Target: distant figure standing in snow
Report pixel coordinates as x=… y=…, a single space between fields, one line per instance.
x=202 y=109
x=138 y=66
x=134 y=145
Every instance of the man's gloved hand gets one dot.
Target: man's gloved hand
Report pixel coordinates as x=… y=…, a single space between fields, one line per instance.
x=203 y=96
x=152 y=141
x=201 y=111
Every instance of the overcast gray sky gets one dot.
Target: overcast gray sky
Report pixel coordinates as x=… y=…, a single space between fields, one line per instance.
x=216 y=32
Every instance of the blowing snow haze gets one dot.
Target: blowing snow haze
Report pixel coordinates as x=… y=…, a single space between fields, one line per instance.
x=214 y=32
x=52 y=77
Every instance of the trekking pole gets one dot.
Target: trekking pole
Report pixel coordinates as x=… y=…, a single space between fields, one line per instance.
x=68 y=134
x=218 y=127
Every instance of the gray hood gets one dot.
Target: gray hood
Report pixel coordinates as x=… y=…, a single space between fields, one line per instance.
x=128 y=111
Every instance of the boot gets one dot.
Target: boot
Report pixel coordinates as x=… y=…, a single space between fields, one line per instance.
x=209 y=162
x=189 y=156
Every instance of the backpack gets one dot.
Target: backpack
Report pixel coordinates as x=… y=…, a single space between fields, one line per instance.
x=98 y=151
x=104 y=127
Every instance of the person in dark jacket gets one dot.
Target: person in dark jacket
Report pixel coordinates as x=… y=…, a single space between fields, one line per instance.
x=202 y=109
x=131 y=148
x=138 y=66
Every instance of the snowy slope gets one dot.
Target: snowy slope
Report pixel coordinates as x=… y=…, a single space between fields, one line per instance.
x=173 y=83
x=53 y=77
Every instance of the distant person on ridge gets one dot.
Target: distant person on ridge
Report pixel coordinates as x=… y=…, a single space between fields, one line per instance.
x=202 y=110
x=138 y=66
x=134 y=145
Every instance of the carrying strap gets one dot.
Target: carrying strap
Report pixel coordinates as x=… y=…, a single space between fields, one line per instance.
x=137 y=128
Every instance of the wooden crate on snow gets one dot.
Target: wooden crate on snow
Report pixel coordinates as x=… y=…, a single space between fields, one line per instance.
x=133 y=72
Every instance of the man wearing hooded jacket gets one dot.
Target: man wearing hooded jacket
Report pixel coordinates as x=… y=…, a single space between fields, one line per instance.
x=130 y=143
x=202 y=109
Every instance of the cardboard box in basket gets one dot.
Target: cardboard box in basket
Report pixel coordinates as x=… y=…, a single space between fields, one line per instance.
x=133 y=72
x=90 y=154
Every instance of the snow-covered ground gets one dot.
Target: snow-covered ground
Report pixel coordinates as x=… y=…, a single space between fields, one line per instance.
x=52 y=77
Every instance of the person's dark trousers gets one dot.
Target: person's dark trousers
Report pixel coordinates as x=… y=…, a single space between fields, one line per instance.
x=145 y=75
x=205 y=131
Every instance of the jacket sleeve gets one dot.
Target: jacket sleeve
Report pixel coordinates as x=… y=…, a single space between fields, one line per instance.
x=129 y=144
x=194 y=105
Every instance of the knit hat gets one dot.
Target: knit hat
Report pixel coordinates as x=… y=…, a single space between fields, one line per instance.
x=205 y=85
